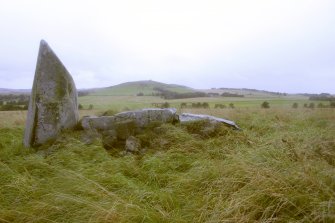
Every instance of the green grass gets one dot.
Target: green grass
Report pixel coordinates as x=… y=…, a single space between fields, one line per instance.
x=135 y=102
x=280 y=168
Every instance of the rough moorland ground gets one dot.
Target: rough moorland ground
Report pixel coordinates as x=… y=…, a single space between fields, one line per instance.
x=280 y=168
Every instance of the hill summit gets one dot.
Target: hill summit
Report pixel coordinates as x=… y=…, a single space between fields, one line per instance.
x=147 y=87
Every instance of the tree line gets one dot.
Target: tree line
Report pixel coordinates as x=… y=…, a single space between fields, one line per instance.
x=321 y=97
x=13 y=102
x=167 y=94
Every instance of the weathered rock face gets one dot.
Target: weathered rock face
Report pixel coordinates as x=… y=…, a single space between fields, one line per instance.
x=53 y=103
x=123 y=132
x=187 y=117
x=139 y=119
x=119 y=130
x=133 y=144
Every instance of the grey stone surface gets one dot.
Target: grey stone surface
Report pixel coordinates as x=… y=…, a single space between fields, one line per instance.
x=53 y=103
x=99 y=123
x=133 y=144
x=141 y=119
x=187 y=117
x=144 y=117
x=109 y=139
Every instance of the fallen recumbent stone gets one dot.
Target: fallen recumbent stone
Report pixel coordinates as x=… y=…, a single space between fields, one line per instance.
x=129 y=123
x=140 y=118
x=188 y=117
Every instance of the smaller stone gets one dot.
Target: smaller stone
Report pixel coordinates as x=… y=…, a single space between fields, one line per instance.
x=133 y=144
x=89 y=136
x=109 y=141
x=124 y=129
x=188 y=117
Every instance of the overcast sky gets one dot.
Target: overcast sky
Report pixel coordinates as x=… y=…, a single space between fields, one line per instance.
x=277 y=45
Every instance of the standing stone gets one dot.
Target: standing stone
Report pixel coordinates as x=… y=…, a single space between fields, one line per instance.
x=53 y=102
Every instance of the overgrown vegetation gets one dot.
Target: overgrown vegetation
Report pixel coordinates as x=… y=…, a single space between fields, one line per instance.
x=322 y=97
x=280 y=168
x=265 y=104
x=195 y=105
x=227 y=94
x=168 y=94
x=14 y=102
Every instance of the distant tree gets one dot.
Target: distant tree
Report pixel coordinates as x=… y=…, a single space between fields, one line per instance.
x=231 y=105
x=205 y=105
x=295 y=105
x=83 y=93
x=165 y=105
x=217 y=106
x=90 y=107
x=1 y=103
x=80 y=107
x=321 y=97
x=11 y=107
x=183 y=105
x=140 y=94
x=332 y=104
x=213 y=94
x=197 y=105
x=305 y=105
x=227 y=94
x=265 y=104
x=12 y=102
x=311 y=105
x=320 y=105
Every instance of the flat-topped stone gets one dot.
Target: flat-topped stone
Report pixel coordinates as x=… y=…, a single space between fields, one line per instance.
x=187 y=117
x=141 y=118
x=53 y=103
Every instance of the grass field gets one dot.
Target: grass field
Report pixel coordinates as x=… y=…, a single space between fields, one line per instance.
x=136 y=102
x=280 y=168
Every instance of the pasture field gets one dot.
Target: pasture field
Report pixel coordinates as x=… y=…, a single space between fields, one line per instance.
x=136 y=102
x=279 y=168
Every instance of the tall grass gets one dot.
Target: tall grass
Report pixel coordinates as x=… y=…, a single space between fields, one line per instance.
x=280 y=168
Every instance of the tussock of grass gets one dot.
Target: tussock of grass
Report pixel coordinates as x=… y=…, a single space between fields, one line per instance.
x=280 y=168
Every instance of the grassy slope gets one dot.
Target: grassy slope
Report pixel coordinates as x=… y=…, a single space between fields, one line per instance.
x=133 y=88
x=280 y=168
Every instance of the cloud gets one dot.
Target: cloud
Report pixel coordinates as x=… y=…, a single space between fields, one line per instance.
x=198 y=43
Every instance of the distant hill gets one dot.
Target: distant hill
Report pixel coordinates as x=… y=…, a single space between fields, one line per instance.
x=245 y=91
x=137 y=87
x=150 y=87
x=14 y=91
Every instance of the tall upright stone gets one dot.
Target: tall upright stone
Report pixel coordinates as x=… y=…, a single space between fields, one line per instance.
x=53 y=102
